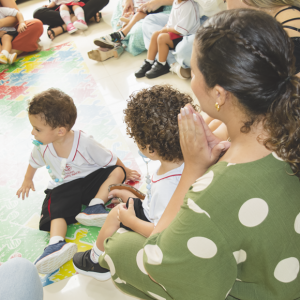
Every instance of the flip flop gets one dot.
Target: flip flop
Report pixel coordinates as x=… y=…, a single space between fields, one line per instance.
x=127 y=187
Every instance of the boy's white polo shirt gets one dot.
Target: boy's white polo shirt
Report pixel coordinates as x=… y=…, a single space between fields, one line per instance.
x=86 y=156
x=162 y=190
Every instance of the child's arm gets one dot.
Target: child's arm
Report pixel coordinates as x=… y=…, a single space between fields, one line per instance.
x=51 y=5
x=22 y=26
x=130 y=174
x=129 y=219
x=27 y=183
x=169 y=29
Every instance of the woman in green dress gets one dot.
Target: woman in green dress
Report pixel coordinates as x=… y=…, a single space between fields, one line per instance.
x=232 y=227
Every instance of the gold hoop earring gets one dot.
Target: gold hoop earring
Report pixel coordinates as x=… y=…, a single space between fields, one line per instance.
x=217 y=106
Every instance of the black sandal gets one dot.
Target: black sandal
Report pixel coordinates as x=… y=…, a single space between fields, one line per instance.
x=54 y=36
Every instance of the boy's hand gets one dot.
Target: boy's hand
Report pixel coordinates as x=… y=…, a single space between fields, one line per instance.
x=132 y=175
x=123 y=194
x=22 y=27
x=25 y=188
x=125 y=215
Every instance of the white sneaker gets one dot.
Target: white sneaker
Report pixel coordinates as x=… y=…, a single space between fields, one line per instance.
x=12 y=58
x=181 y=72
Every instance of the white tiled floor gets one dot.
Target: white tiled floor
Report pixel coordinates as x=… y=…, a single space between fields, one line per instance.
x=115 y=79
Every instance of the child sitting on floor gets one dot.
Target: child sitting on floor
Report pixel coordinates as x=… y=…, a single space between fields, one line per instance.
x=81 y=170
x=10 y=34
x=114 y=39
x=64 y=9
x=184 y=20
x=151 y=118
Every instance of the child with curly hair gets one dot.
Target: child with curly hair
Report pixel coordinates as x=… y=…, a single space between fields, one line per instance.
x=151 y=119
x=81 y=170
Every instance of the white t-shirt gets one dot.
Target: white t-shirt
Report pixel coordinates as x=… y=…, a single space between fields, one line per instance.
x=162 y=190
x=7 y=12
x=86 y=156
x=211 y=7
x=184 y=17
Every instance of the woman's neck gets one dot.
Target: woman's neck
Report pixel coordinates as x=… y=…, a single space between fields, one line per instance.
x=245 y=147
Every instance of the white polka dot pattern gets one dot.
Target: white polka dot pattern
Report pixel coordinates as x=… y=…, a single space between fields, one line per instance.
x=203 y=182
x=228 y=293
x=156 y=296
x=276 y=156
x=122 y=230
x=202 y=247
x=139 y=261
x=193 y=206
x=231 y=164
x=240 y=256
x=297 y=224
x=119 y=280
x=110 y=264
x=287 y=270
x=253 y=212
x=154 y=254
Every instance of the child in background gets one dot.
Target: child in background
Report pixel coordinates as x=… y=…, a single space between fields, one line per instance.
x=151 y=119
x=11 y=33
x=114 y=39
x=65 y=14
x=81 y=170
x=184 y=20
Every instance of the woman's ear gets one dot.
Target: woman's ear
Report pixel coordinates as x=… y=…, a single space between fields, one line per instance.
x=221 y=95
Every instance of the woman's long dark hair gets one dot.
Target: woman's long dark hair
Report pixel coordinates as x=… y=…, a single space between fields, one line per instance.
x=249 y=54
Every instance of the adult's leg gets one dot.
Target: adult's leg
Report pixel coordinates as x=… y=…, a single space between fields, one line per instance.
x=127 y=270
x=155 y=22
x=48 y=16
x=20 y=280
x=27 y=41
x=92 y=7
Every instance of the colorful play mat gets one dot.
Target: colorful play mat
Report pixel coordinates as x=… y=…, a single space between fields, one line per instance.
x=61 y=67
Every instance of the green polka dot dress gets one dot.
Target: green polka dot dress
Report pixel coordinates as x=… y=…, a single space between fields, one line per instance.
x=237 y=236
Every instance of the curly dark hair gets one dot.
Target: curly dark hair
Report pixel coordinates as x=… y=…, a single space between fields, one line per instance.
x=249 y=54
x=56 y=107
x=151 y=119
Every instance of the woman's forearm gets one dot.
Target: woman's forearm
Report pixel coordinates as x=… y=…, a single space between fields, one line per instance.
x=8 y=22
x=9 y=3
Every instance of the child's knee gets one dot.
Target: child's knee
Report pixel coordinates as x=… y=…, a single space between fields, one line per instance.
x=6 y=38
x=118 y=174
x=63 y=7
x=163 y=38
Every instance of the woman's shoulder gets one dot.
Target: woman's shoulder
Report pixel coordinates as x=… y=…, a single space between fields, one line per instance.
x=269 y=178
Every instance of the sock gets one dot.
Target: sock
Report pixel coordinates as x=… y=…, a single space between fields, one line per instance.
x=79 y=13
x=163 y=63
x=56 y=239
x=65 y=15
x=150 y=61
x=95 y=253
x=5 y=52
x=96 y=201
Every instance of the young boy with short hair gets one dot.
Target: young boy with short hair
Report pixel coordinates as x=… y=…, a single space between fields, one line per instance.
x=184 y=20
x=81 y=170
x=151 y=118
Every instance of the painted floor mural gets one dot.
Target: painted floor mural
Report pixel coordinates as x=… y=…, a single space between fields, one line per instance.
x=60 y=67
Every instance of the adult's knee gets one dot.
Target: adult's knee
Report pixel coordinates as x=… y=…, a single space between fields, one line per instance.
x=39 y=13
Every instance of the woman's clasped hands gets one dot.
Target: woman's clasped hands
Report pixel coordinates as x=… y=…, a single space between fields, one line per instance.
x=200 y=147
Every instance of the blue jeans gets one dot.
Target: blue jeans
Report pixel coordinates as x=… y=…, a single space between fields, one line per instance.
x=183 y=50
x=19 y=279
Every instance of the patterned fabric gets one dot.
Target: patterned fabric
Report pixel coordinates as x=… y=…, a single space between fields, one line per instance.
x=235 y=237
x=134 y=41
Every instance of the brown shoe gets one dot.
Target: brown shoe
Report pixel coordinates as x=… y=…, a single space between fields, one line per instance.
x=100 y=55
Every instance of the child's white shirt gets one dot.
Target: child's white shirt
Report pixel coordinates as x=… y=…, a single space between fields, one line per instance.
x=184 y=17
x=86 y=156
x=7 y=12
x=162 y=190
x=60 y=2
